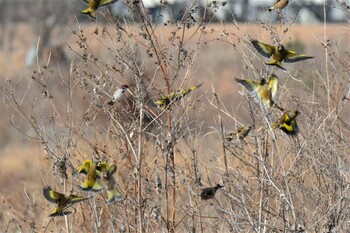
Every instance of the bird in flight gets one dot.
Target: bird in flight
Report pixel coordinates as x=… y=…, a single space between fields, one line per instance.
x=262 y=90
x=62 y=201
x=94 y=5
x=92 y=170
x=287 y=122
x=279 y=5
x=279 y=54
x=109 y=181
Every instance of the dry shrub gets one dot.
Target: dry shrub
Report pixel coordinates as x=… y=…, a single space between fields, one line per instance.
x=273 y=182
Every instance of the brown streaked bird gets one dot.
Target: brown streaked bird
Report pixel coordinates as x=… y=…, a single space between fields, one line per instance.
x=279 y=5
x=92 y=171
x=287 y=122
x=262 y=91
x=241 y=132
x=165 y=101
x=209 y=193
x=94 y=5
x=109 y=181
x=279 y=54
x=62 y=201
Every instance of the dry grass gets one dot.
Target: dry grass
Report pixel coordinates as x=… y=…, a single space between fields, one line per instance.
x=273 y=182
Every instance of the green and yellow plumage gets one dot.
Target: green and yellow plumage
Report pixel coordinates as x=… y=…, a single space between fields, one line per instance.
x=94 y=5
x=241 y=132
x=279 y=54
x=92 y=171
x=62 y=201
x=262 y=90
x=109 y=181
x=165 y=101
x=287 y=122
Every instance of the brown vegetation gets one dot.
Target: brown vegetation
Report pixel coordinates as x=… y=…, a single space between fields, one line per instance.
x=272 y=182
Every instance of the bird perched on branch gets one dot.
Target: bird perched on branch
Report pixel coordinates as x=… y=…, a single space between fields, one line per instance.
x=118 y=94
x=287 y=122
x=209 y=193
x=92 y=171
x=62 y=201
x=165 y=101
x=241 y=132
x=94 y=5
x=109 y=181
x=279 y=54
x=279 y=5
x=262 y=91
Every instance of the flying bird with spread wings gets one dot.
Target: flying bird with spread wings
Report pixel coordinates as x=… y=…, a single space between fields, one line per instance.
x=262 y=90
x=62 y=201
x=278 y=53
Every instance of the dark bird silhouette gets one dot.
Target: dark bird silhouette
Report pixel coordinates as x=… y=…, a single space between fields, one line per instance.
x=209 y=193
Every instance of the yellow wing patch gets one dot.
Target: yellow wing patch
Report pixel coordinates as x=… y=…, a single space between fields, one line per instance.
x=264 y=49
x=273 y=86
x=295 y=57
x=51 y=195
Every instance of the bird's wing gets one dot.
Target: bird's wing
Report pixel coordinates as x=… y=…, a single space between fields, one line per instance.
x=113 y=195
x=51 y=195
x=107 y=2
x=90 y=185
x=111 y=169
x=282 y=120
x=264 y=49
x=195 y=87
x=86 y=1
x=75 y=199
x=59 y=212
x=295 y=57
x=291 y=128
x=252 y=87
x=239 y=130
x=273 y=85
x=101 y=166
x=85 y=167
x=291 y=115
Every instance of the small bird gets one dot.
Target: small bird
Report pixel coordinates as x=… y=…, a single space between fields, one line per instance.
x=209 y=193
x=279 y=5
x=118 y=94
x=84 y=168
x=62 y=201
x=287 y=122
x=94 y=5
x=279 y=54
x=262 y=91
x=92 y=171
x=109 y=181
x=165 y=101
x=242 y=132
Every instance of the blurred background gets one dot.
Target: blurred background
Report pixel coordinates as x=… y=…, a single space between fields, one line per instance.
x=48 y=48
